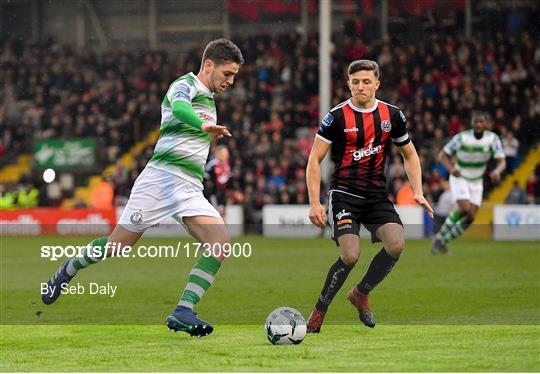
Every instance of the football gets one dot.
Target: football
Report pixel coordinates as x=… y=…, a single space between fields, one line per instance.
x=285 y=325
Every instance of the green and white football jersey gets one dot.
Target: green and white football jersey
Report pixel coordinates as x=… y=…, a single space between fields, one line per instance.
x=473 y=154
x=181 y=148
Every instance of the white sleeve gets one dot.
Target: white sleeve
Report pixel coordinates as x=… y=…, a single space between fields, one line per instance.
x=181 y=90
x=497 y=148
x=453 y=145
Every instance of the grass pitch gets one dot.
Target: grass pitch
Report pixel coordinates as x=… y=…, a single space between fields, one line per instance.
x=244 y=348
x=476 y=310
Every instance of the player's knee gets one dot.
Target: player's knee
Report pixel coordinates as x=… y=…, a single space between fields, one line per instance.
x=122 y=237
x=350 y=254
x=350 y=258
x=395 y=247
x=470 y=216
x=463 y=208
x=221 y=249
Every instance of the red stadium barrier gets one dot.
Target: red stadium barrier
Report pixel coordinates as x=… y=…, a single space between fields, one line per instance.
x=55 y=221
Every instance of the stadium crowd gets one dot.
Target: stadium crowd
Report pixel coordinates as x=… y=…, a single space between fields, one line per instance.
x=50 y=91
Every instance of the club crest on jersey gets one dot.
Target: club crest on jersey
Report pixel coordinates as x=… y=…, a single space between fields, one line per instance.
x=136 y=218
x=386 y=125
x=327 y=120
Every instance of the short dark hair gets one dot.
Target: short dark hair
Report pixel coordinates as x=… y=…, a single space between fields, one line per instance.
x=221 y=51
x=359 y=65
x=477 y=114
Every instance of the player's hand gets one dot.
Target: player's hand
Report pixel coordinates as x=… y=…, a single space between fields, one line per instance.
x=421 y=200
x=215 y=131
x=455 y=172
x=495 y=176
x=317 y=215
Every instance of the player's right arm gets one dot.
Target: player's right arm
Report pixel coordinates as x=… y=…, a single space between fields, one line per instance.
x=446 y=156
x=317 y=213
x=324 y=138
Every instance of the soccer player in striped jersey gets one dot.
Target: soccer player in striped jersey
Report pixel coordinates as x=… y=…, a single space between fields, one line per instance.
x=471 y=151
x=171 y=183
x=360 y=132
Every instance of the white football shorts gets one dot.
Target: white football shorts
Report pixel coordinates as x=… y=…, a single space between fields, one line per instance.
x=463 y=189
x=157 y=195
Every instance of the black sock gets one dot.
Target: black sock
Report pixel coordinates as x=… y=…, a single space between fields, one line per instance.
x=379 y=268
x=334 y=280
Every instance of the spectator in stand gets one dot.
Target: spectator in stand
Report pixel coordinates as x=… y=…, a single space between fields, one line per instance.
x=405 y=195
x=79 y=203
x=76 y=94
x=532 y=183
x=276 y=180
x=218 y=175
x=102 y=195
x=510 y=147
x=395 y=168
x=516 y=195
x=533 y=186
x=7 y=198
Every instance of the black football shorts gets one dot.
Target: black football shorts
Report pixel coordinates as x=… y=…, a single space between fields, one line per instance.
x=346 y=212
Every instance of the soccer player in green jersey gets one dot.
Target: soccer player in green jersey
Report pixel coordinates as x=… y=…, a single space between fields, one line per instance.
x=171 y=184
x=466 y=157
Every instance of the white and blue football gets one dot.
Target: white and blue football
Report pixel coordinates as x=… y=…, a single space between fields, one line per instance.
x=285 y=325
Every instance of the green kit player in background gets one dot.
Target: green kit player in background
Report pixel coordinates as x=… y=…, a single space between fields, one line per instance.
x=171 y=183
x=472 y=150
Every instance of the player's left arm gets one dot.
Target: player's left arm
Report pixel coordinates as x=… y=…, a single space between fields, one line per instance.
x=180 y=95
x=498 y=154
x=414 y=173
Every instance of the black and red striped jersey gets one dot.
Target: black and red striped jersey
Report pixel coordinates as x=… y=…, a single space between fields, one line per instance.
x=360 y=140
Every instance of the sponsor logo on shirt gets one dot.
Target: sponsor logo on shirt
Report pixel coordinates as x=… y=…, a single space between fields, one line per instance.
x=342 y=214
x=366 y=151
x=207 y=118
x=341 y=222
